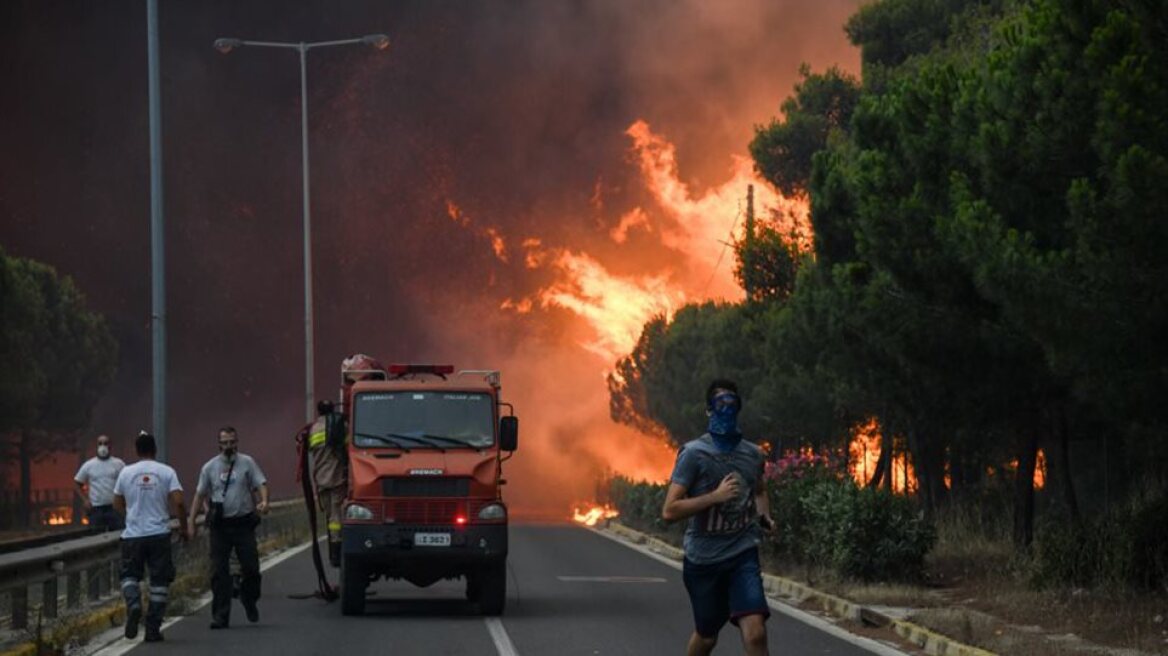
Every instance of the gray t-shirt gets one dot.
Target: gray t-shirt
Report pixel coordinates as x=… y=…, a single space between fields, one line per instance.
x=729 y=528
x=245 y=478
x=100 y=476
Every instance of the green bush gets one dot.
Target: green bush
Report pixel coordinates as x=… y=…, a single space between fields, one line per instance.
x=859 y=533
x=1126 y=548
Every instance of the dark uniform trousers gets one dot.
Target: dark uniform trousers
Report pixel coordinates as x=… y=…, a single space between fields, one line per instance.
x=149 y=554
x=234 y=533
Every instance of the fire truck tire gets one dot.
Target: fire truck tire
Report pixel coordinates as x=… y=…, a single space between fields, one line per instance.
x=353 y=583
x=492 y=588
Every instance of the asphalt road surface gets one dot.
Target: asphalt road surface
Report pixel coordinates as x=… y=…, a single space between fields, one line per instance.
x=570 y=592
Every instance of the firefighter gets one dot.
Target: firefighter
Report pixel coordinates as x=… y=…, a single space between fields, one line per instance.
x=327 y=446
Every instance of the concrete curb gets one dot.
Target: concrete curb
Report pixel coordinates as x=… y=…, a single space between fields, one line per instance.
x=930 y=642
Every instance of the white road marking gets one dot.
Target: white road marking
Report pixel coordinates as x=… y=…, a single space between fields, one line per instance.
x=503 y=643
x=611 y=579
x=776 y=605
x=116 y=642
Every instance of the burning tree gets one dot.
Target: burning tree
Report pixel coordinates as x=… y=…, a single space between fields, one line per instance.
x=56 y=359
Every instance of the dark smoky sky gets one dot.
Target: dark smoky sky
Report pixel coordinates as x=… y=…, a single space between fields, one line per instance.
x=514 y=110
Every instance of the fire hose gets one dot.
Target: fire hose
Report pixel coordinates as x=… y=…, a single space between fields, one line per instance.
x=325 y=590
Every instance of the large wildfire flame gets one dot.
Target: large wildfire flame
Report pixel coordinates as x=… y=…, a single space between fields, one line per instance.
x=609 y=293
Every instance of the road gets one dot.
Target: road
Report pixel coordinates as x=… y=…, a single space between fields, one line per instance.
x=560 y=602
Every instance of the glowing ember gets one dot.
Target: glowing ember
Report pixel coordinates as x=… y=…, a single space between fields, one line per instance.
x=591 y=514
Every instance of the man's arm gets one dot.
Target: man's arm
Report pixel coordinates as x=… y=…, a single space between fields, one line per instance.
x=678 y=506
x=762 y=503
x=179 y=511
x=79 y=488
x=196 y=506
x=120 y=503
x=262 y=506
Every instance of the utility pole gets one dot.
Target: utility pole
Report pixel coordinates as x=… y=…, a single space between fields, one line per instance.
x=157 y=254
x=748 y=249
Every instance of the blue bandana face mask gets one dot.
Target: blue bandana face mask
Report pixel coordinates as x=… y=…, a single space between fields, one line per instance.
x=723 y=426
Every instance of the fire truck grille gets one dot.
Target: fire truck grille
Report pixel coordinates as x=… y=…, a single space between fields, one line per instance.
x=432 y=511
x=423 y=486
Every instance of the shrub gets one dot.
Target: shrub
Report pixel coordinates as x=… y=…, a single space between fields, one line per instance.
x=1126 y=548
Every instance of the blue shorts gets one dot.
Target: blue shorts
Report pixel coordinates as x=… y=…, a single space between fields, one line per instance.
x=726 y=590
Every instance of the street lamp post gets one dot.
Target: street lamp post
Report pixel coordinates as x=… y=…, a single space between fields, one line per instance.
x=378 y=41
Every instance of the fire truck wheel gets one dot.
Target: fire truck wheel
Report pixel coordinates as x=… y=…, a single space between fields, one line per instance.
x=353 y=583
x=492 y=588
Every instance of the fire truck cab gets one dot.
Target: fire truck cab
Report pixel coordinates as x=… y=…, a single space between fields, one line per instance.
x=425 y=451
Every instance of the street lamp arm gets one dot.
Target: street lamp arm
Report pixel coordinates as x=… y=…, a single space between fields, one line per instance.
x=342 y=42
x=378 y=41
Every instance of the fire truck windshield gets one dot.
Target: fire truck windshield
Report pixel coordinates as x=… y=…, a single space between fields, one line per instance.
x=446 y=420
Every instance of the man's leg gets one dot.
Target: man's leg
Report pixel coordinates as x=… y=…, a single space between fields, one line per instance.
x=162 y=573
x=754 y=635
x=749 y=609
x=132 y=567
x=706 y=586
x=333 y=498
x=700 y=646
x=249 y=569
x=220 y=578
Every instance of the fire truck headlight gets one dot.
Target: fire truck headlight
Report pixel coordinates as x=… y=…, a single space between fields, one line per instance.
x=358 y=512
x=493 y=511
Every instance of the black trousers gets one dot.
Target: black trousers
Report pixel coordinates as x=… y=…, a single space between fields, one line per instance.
x=105 y=518
x=151 y=554
x=236 y=533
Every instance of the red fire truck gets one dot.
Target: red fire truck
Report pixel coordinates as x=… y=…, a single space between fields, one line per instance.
x=425 y=447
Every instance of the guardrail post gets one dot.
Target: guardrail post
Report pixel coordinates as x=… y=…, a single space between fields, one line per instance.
x=93 y=574
x=20 y=607
x=73 y=590
x=49 y=598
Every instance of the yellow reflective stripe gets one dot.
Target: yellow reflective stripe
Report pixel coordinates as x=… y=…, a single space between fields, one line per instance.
x=334 y=526
x=316 y=439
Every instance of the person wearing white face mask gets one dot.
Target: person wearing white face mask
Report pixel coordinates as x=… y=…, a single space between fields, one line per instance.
x=95 y=485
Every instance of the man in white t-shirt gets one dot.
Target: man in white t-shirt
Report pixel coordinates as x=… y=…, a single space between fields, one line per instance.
x=95 y=485
x=149 y=494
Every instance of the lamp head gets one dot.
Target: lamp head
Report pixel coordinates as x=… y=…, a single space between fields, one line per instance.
x=227 y=45
x=379 y=41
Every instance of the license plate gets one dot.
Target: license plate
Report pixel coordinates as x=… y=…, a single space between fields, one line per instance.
x=432 y=539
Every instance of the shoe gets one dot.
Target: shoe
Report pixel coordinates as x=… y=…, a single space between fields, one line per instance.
x=253 y=612
x=152 y=635
x=215 y=624
x=133 y=617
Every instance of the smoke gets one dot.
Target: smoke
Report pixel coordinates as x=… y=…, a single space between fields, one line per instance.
x=480 y=196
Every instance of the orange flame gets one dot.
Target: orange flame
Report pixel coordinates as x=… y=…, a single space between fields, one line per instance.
x=864 y=457
x=591 y=514
x=58 y=517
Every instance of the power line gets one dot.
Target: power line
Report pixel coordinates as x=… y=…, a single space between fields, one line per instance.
x=725 y=244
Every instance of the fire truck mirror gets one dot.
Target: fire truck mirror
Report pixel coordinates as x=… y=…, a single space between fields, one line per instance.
x=509 y=433
x=334 y=428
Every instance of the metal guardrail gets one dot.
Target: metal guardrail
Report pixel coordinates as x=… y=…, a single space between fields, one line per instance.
x=31 y=580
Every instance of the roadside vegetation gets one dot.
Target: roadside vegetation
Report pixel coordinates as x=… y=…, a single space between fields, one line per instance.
x=985 y=296
x=57 y=357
